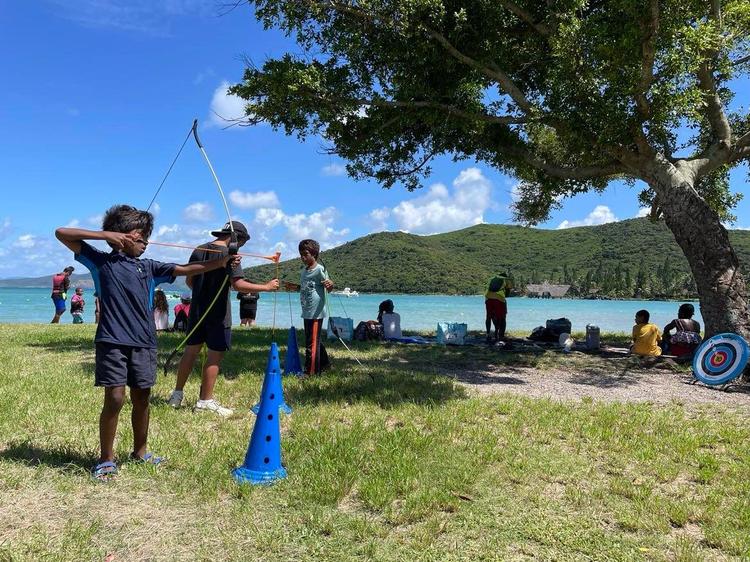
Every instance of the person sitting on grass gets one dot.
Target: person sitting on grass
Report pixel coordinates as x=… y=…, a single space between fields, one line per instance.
x=314 y=282
x=76 y=306
x=646 y=336
x=688 y=336
x=126 y=334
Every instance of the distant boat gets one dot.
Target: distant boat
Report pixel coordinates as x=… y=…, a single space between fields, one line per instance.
x=347 y=292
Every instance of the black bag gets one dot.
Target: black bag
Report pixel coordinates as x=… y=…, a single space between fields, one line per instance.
x=559 y=326
x=368 y=331
x=180 y=322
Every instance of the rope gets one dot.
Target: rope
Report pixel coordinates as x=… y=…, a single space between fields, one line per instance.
x=291 y=316
x=273 y=258
x=273 y=325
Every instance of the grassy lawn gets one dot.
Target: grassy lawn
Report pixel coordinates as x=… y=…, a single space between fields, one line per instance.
x=387 y=461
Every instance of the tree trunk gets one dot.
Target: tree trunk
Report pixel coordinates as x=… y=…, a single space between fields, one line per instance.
x=705 y=242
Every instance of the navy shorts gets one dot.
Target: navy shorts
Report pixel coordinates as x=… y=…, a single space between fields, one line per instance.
x=248 y=313
x=217 y=337
x=59 y=304
x=120 y=365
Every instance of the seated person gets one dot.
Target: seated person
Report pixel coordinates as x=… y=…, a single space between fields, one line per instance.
x=687 y=338
x=646 y=336
x=385 y=307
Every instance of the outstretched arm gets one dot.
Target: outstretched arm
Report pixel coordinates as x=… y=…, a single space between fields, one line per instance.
x=243 y=286
x=199 y=267
x=72 y=238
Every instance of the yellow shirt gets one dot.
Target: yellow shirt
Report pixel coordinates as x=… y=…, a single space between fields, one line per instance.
x=646 y=338
x=499 y=295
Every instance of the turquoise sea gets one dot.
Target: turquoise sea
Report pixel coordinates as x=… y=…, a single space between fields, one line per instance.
x=418 y=312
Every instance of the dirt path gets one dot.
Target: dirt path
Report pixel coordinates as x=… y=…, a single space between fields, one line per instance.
x=620 y=379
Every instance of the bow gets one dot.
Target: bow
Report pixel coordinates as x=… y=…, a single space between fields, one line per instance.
x=233 y=243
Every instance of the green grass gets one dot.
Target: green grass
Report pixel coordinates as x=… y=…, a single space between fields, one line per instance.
x=388 y=461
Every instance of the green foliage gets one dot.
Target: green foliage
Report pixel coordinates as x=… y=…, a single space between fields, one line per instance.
x=553 y=92
x=623 y=259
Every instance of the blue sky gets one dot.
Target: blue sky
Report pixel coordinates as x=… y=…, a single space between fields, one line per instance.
x=99 y=94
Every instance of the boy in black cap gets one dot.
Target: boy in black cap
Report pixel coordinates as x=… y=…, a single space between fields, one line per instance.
x=215 y=330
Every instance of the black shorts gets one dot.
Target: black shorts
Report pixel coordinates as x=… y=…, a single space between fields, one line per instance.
x=120 y=365
x=217 y=337
x=248 y=313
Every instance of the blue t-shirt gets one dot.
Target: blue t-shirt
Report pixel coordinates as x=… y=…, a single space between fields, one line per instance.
x=312 y=293
x=125 y=287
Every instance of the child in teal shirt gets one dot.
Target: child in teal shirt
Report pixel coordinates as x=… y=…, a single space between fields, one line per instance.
x=314 y=282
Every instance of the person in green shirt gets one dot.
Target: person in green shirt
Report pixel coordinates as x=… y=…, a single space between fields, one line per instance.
x=496 y=307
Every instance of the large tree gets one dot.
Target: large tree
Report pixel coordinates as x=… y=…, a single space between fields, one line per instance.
x=566 y=95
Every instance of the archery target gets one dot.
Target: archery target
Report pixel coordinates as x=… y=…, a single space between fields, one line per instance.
x=720 y=359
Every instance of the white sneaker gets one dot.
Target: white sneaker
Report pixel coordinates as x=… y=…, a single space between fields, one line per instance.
x=175 y=400
x=213 y=406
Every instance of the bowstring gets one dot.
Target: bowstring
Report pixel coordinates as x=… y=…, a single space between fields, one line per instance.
x=164 y=179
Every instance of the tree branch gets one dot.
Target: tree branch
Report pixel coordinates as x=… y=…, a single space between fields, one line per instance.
x=740 y=61
x=450 y=109
x=541 y=28
x=650 y=29
x=612 y=168
x=495 y=74
x=719 y=152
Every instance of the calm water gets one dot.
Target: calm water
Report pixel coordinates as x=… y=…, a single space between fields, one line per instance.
x=417 y=312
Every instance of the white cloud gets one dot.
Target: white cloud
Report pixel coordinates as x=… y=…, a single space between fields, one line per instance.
x=442 y=209
x=600 y=215
x=95 y=220
x=333 y=170
x=643 y=212
x=203 y=75
x=26 y=241
x=250 y=200
x=5 y=228
x=150 y=17
x=225 y=108
x=379 y=219
x=198 y=212
x=269 y=217
x=74 y=223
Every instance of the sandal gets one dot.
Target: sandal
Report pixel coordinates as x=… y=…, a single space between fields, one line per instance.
x=148 y=458
x=104 y=471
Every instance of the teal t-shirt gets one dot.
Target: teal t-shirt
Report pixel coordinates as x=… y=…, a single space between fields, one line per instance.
x=312 y=293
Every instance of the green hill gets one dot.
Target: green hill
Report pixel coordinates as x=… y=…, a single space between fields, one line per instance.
x=623 y=259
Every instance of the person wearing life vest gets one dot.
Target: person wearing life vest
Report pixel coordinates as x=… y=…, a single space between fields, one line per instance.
x=496 y=307
x=60 y=286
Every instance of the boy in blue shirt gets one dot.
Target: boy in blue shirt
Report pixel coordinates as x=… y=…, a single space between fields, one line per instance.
x=126 y=333
x=314 y=282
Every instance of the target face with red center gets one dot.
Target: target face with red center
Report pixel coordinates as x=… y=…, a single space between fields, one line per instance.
x=720 y=359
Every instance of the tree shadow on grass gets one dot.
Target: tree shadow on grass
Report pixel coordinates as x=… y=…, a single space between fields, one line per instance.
x=63 y=457
x=385 y=389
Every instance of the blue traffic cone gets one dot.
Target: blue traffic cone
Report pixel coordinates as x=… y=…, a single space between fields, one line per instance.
x=272 y=390
x=292 y=364
x=263 y=458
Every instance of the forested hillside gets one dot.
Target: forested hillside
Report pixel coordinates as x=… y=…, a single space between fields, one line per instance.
x=623 y=259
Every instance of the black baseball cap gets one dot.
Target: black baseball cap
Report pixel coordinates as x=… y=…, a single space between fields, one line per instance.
x=239 y=229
